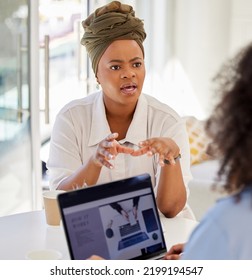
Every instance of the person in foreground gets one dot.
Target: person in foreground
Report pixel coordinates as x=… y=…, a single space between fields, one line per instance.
x=104 y=136
x=225 y=232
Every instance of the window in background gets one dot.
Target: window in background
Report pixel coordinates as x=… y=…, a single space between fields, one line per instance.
x=17 y=185
x=62 y=60
x=63 y=63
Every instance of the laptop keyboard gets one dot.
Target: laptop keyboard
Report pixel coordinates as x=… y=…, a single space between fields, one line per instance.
x=128 y=229
x=132 y=240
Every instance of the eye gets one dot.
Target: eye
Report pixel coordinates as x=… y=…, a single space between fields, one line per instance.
x=115 y=67
x=137 y=64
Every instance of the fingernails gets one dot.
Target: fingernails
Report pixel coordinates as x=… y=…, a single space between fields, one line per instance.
x=111 y=156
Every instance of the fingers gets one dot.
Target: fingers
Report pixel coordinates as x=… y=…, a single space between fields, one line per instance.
x=140 y=151
x=95 y=257
x=104 y=152
x=111 y=136
x=176 y=249
x=122 y=149
x=135 y=212
x=108 y=149
x=166 y=148
x=175 y=252
x=172 y=257
x=125 y=215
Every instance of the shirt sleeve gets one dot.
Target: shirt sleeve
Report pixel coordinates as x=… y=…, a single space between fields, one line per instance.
x=64 y=156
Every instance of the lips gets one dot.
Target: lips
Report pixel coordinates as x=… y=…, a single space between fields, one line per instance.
x=128 y=88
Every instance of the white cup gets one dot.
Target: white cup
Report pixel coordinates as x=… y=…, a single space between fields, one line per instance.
x=51 y=207
x=46 y=254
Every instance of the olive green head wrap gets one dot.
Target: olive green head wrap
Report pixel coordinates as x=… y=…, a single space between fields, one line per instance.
x=114 y=21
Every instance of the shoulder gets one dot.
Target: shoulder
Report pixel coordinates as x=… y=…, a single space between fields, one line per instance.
x=160 y=108
x=80 y=104
x=228 y=209
x=224 y=232
x=221 y=210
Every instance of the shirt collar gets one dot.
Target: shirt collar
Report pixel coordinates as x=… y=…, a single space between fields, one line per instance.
x=138 y=128
x=100 y=128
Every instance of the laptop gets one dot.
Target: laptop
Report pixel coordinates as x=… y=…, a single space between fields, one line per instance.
x=117 y=221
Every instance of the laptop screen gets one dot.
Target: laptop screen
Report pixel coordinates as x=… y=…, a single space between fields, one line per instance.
x=116 y=220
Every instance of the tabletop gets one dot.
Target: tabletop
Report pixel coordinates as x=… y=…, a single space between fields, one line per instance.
x=21 y=233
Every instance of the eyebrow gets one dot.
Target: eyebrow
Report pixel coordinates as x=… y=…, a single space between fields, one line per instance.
x=120 y=61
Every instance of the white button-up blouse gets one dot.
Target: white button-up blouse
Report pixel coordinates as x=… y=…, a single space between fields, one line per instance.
x=82 y=124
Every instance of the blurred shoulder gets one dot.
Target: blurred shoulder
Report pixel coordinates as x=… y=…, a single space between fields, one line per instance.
x=161 y=107
x=82 y=103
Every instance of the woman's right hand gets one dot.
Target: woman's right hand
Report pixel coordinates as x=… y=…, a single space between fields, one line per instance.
x=108 y=149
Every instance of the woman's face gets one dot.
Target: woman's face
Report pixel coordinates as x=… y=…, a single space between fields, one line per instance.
x=121 y=72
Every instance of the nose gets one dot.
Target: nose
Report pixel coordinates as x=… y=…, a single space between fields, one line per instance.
x=128 y=73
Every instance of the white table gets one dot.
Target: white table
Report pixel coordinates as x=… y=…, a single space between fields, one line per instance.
x=25 y=232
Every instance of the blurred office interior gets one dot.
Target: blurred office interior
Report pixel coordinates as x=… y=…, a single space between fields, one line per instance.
x=43 y=66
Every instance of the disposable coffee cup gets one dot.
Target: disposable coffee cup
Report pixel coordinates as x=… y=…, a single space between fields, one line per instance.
x=46 y=254
x=51 y=207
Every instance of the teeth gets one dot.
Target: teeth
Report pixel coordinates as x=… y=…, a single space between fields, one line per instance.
x=128 y=88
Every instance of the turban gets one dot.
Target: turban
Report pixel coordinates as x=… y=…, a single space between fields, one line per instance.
x=114 y=21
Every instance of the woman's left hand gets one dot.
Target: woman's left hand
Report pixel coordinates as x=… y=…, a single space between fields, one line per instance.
x=175 y=252
x=165 y=147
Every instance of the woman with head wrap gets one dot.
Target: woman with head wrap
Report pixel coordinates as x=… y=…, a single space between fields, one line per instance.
x=104 y=136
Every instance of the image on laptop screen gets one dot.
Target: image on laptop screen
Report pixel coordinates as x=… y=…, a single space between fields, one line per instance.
x=116 y=220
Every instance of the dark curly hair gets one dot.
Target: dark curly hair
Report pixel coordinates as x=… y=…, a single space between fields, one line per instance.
x=230 y=124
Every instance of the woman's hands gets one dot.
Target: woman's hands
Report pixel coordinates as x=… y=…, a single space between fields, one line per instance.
x=165 y=147
x=108 y=149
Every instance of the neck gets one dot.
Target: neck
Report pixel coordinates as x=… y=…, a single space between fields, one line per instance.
x=119 y=118
x=119 y=111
